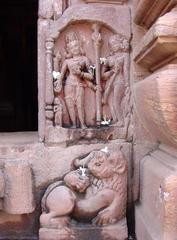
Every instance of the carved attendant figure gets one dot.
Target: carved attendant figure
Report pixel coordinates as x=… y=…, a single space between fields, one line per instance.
x=115 y=73
x=76 y=76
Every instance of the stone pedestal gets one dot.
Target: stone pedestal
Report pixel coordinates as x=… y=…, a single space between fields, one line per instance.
x=86 y=232
x=18 y=196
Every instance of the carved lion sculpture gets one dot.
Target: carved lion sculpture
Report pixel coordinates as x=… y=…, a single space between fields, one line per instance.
x=97 y=194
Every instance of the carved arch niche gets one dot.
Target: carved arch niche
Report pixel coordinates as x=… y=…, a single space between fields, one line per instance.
x=72 y=82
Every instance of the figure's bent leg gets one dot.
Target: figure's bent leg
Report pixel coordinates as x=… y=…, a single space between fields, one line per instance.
x=80 y=106
x=90 y=207
x=112 y=109
x=70 y=104
x=57 y=215
x=117 y=99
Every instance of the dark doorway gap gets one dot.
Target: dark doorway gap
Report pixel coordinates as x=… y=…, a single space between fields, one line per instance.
x=18 y=65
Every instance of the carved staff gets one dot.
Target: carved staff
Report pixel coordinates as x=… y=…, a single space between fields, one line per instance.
x=97 y=40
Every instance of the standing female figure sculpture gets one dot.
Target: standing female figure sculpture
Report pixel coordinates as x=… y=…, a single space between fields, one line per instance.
x=75 y=76
x=114 y=72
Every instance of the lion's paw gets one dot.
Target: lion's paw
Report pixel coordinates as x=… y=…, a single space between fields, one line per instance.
x=105 y=217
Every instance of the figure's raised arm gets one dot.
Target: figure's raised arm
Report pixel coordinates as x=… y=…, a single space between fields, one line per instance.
x=58 y=81
x=106 y=72
x=126 y=68
x=64 y=69
x=87 y=75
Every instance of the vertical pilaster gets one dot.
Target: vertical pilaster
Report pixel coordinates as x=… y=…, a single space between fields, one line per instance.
x=49 y=94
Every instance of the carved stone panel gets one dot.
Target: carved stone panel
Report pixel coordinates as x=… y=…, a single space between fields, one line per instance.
x=87 y=90
x=94 y=193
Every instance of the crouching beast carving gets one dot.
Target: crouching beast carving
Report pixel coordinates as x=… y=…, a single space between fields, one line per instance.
x=95 y=192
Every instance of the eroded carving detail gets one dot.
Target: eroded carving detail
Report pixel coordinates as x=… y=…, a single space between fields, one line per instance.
x=16 y=175
x=114 y=72
x=96 y=192
x=75 y=75
x=52 y=9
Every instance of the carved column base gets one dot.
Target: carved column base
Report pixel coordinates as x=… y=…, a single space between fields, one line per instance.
x=85 y=232
x=49 y=115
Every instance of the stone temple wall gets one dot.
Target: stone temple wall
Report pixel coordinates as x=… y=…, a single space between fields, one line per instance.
x=106 y=143
x=73 y=179
x=154 y=56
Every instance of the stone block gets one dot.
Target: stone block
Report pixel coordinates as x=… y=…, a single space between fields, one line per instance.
x=159 y=44
x=113 y=232
x=156 y=215
x=68 y=136
x=18 y=197
x=148 y=11
x=156 y=99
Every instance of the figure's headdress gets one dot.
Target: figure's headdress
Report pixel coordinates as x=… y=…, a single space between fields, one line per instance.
x=121 y=40
x=71 y=36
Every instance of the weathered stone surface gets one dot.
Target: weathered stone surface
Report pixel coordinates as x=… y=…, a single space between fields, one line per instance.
x=95 y=192
x=54 y=162
x=156 y=104
x=148 y=11
x=144 y=142
x=156 y=215
x=51 y=9
x=68 y=136
x=158 y=46
x=18 y=196
x=119 y=16
x=48 y=164
x=68 y=108
x=106 y=1
x=115 y=232
x=2 y=184
x=43 y=26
